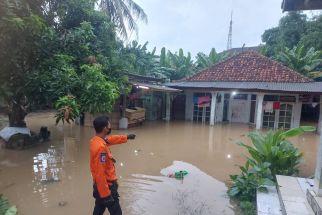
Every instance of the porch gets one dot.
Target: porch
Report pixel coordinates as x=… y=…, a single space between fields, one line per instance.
x=261 y=110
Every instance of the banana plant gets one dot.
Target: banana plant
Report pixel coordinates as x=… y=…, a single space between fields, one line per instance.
x=269 y=154
x=275 y=149
x=204 y=61
x=5 y=208
x=302 y=61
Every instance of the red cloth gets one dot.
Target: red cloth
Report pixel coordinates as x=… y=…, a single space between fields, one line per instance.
x=276 y=105
x=203 y=100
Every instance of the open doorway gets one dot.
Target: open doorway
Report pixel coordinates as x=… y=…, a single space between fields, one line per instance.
x=310 y=114
x=310 y=110
x=179 y=107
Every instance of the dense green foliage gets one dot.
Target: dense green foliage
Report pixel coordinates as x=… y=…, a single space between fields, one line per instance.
x=304 y=61
x=52 y=48
x=49 y=53
x=297 y=43
x=291 y=30
x=270 y=154
x=204 y=61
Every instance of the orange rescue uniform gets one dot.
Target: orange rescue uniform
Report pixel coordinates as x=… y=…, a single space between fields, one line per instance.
x=102 y=162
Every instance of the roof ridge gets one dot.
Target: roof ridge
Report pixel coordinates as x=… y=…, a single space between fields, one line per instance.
x=281 y=64
x=216 y=64
x=249 y=66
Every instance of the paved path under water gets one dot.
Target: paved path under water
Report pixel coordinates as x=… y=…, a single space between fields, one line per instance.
x=54 y=178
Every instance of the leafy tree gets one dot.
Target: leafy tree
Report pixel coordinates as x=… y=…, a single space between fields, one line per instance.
x=314 y=34
x=301 y=60
x=44 y=60
x=293 y=29
x=289 y=32
x=20 y=33
x=123 y=13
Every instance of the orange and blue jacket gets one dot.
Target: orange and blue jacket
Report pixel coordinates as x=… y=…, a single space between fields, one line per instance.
x=102 y=162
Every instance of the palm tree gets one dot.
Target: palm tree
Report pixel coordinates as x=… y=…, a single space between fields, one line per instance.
x=302 y=61
x=124 y=14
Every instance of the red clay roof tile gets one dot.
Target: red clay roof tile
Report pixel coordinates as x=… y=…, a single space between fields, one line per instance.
x=249 y=66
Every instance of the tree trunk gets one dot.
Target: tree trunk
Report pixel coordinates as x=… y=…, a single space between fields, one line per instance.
x=17 y=115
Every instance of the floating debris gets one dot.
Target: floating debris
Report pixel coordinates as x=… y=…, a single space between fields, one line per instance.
x=49 y=181
x=178 y=174
x=62 y=203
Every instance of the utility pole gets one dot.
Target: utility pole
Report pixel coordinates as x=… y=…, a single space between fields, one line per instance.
x=230 y=34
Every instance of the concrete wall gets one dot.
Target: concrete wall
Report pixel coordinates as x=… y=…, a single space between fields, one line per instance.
x=219 y=108
x=239 y=110
x=189 y=104
x=297 y=110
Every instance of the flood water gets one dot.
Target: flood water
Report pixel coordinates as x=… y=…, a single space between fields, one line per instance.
x=54 y=178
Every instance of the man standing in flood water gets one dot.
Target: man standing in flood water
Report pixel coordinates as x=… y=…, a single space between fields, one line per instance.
x=103 y=169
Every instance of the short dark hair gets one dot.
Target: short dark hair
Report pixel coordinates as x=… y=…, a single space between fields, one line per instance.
x=100 y=123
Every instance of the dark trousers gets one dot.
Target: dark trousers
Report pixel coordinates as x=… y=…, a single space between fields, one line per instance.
x=114 y=209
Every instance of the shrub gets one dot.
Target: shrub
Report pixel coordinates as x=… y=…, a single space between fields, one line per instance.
x=274 y=148
x=269 y=155
x=68 y=109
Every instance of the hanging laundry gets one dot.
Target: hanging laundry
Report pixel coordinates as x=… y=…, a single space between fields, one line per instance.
x=204 y=101
x=314 y=104
x=134 y=96
x=195 y=100
x=276 y=105
x=268 y=107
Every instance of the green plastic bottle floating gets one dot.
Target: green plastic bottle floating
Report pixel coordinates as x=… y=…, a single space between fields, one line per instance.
x=178 y=174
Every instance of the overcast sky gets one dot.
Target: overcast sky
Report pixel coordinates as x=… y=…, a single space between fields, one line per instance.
x=199 y=25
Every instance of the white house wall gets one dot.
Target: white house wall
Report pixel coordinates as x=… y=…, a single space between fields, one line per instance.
x=297 y=113
x=220 y=108
x=239 y=110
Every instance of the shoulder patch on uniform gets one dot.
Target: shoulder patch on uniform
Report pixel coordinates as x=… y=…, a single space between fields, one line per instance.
x=103 y=157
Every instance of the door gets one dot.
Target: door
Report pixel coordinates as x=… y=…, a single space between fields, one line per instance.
x=201 y=114
x=252 y=109
x=226 y=107
x=179 y=107
x=281 y=118
x=285 y=116
x=201 y=107
x=239 y=111
x=269 y=119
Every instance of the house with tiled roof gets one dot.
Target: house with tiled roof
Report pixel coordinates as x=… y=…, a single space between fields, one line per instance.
x=250 y=88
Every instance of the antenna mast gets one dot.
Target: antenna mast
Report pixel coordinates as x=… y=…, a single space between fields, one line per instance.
x=230 y=34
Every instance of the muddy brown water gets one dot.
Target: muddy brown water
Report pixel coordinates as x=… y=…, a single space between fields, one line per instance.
x=54 y=177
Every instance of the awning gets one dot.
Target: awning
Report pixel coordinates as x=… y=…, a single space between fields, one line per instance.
x=311 y=87
x=154 y=87
x=294 y=5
